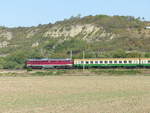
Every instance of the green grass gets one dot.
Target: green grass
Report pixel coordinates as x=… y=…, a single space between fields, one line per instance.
x=117 y=71
x=77 y=72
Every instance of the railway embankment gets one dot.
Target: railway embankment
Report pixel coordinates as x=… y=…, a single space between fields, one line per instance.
x=75 y=72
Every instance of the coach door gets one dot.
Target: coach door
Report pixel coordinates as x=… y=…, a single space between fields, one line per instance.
x=144 y=62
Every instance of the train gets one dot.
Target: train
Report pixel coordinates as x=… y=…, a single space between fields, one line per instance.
x=88 y=63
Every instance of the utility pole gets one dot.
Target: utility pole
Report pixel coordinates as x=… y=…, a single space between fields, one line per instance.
x=71 y=54
x=83 y=60
x=140 y=61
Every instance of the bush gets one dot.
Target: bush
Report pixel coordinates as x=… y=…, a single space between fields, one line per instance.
x=29 y=69
x=117 y=71
x=50 y=72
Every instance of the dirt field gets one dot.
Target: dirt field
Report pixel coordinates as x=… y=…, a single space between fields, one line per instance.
x=75 y=94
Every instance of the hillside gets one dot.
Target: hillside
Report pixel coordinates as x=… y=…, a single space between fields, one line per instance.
x=99 y=36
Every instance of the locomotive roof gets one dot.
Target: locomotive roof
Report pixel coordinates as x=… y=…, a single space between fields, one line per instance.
x=45 y=59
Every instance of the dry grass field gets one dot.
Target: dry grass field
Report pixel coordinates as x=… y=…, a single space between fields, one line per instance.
x=75 y=94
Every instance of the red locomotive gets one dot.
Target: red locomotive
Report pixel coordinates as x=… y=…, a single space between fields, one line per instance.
x=49 y=63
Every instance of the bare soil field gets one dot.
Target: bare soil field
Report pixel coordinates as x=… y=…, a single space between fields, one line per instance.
x=75 y=94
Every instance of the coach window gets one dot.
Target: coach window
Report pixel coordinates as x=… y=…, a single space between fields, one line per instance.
x=134 y=62
x=149 y=61
x=91 y=62
x=87 y=62
x=82 y=62
x=125 y=62
x=120 y=62
x=96 y=62
x=115 y=62
x=130 y=62
x=101 y=62
x=110 y=62
x=145 y=61
x=106 y=62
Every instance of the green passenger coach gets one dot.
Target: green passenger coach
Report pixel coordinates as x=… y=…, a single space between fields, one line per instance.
x=112 y=62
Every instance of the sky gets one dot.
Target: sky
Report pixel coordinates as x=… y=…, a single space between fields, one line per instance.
x=14 y=13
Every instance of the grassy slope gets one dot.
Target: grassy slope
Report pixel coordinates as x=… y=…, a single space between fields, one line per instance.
x=132 y=36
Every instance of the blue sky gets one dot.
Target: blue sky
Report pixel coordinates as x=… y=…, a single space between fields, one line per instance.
x=15 y=13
